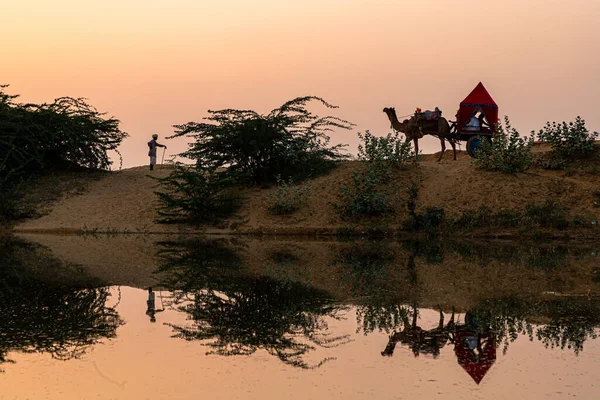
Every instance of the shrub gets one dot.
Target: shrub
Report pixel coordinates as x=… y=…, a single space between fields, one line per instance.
x=192 y=195
x=67 y=132
x=567 y=140
x=362 y=197
x=429 y=220
x=385 y=152
x=9 y=205
x=288 y=197
x=289 y=141
x=548 y=215
x=507 y=152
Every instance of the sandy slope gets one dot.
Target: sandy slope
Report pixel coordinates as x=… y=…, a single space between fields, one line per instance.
x=124 y=200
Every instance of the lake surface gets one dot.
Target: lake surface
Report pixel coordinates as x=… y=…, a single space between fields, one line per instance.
x=297 y=319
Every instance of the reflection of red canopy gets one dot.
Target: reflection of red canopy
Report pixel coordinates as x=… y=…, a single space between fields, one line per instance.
x=478 y=97
x=475 y=366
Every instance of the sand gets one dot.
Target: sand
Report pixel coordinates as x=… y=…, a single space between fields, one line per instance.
x=124 y=201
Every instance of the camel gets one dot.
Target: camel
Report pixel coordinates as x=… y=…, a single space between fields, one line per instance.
x=417 y=126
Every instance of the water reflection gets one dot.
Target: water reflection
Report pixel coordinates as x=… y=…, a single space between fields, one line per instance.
x=40 y=311
x=419 y=340
x=239 y=313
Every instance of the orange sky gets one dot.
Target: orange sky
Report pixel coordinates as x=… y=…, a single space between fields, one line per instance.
x=154 y=63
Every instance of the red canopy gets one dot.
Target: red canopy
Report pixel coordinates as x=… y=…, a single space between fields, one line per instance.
x=479 y=97
x=476 y=365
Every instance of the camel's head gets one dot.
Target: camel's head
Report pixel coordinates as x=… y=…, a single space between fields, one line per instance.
x=391 y=113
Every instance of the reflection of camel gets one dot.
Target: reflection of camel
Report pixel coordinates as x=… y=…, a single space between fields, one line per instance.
x=418 y=126
x=420 y=340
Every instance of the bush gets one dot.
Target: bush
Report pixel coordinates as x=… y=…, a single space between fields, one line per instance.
x=9 y=206
x=68 y=132
x=288 y=197
x=385 y=152
x=507 y=152
x=362 y=198
x=548 y=215
x=567 y=139
x=429 y=220
x=290 y=141
x=195 y=196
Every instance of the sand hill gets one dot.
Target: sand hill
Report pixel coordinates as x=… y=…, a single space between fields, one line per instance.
x=125 y=200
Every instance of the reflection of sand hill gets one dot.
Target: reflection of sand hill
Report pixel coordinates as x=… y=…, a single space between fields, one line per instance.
x=354 y=271
x=124 y=200
x=126 y=260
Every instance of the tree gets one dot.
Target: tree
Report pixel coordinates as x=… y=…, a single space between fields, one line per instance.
x=290 y=141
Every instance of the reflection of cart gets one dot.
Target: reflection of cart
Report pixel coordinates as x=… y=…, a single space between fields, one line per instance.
x=476 y=119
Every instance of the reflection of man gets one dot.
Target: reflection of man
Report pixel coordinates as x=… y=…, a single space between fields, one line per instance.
x=151 y=311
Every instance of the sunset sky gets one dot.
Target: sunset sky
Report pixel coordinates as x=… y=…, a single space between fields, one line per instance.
x=153 y=63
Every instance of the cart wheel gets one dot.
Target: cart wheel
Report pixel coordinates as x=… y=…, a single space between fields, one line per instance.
x=474 y=142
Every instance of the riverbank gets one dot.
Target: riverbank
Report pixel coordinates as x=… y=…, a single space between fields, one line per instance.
x=124 y=202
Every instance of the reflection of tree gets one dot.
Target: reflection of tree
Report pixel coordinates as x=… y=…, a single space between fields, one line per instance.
x=564 y=323
x=367 y=265
x=242 y=313
x=56 y=318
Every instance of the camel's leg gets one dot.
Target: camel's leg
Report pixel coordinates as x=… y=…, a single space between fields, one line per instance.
x=416 y=142
x=443 y=141
x=453 y=144
x=414 y=321
x=441 y=324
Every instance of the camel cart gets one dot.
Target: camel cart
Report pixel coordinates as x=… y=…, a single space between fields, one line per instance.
x=476 y=119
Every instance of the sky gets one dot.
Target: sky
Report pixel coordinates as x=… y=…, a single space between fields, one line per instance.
x=153 y=64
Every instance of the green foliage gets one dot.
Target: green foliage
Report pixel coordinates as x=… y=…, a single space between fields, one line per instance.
x=362 y=197
x=550 y=214
x=192 y=195
x=288 y=197
x=429 y=220
x=386 y=152
x=567 y=140
x=508 y=152
x=255 y=148
x=67 y=132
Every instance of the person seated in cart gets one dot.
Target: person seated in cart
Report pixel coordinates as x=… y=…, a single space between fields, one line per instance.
x=476 y=124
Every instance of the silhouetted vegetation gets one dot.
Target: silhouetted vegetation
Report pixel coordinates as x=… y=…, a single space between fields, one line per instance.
x=236 y=313
x=247 y=148
x=429 y=219
x=507 y=152
x=290 y=141
x=189 y=195
x=47 y=307
x=567 y=140
x=67 y=133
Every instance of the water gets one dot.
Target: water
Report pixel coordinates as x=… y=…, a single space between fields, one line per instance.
x=297 y=319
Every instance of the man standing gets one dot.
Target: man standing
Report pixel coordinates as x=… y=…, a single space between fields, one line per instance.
x=153 y=144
